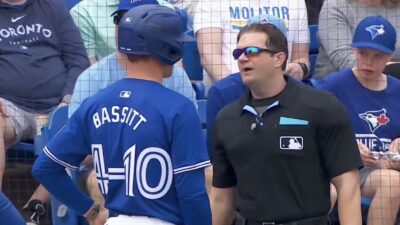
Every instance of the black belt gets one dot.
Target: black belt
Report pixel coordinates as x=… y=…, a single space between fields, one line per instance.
x=112 y=213
x=322 y=220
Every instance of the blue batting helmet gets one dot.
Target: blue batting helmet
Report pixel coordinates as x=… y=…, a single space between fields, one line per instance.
x=152 y=30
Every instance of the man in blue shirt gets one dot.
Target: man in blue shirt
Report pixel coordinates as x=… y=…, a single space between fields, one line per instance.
x=371 y=97
x=139 y=133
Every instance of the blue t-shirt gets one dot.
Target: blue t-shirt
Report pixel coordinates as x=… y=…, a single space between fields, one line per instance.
x=143 y=137
x=375 y=115
x=107 y=71
x=41 y=54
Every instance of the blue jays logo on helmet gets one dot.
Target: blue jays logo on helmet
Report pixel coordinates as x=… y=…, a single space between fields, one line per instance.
x=375 y=30
x=375 y=119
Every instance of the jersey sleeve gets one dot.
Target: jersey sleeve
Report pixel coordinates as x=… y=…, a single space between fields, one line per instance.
x=336 y=139
x=70 y=145
x=188 y=144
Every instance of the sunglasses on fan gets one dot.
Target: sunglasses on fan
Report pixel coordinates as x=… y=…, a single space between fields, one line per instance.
x=251 y=51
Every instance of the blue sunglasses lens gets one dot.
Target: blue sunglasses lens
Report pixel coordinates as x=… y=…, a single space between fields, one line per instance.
x=249 y=51
x=252 y=51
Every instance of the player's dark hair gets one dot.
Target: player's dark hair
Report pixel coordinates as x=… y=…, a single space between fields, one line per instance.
x=276 y=40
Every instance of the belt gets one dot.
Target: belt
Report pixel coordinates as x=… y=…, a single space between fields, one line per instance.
x=112 y=213
x=322 y=220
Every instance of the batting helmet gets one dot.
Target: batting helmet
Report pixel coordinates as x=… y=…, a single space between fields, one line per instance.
x=152 y=30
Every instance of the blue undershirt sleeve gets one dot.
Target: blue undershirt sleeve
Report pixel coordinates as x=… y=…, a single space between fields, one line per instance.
x=193 y=198
x=56 y=180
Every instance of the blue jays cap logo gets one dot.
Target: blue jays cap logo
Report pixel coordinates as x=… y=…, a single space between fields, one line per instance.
x=375 y=30
x=375 y=119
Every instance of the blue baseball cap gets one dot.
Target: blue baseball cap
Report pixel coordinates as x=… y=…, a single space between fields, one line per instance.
x=129 y=4
x=377 y=33
x=265 y=18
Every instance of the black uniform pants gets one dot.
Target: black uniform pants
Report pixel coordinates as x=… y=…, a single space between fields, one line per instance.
x=323 y=220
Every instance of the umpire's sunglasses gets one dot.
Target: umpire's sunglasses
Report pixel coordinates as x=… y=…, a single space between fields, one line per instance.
x=251 y=51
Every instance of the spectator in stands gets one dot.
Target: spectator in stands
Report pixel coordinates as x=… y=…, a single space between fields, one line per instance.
x=41 y=56
x=372 y=97
x=313 y=9
x=217 y=23
x=337 y=22
x=96 y=25
x=107 y=71
x=188 y=5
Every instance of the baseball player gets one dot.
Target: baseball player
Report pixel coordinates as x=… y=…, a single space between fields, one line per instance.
x=145 y=139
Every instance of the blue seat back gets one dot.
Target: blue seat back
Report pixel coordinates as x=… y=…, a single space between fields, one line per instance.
x=314 y=47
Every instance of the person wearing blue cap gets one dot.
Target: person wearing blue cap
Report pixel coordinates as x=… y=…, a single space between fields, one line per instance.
x=277 y=148
x=372 y=97
x=336 y=28
x=138 y=133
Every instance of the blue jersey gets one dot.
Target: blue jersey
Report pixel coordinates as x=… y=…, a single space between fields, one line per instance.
x=143 y=137
x=8 y=213
x=375 y=115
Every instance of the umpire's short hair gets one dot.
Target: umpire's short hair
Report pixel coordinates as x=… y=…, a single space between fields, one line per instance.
x=276 y=40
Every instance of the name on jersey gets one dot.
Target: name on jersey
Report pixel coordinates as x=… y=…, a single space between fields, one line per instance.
x=117 y=114
x=22 y=30
x=247 y=12
x=373 y=142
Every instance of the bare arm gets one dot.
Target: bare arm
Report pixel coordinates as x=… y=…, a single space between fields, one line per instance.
x=222 y=205
x=209 y=42
x=349 y=197
x=300 y=54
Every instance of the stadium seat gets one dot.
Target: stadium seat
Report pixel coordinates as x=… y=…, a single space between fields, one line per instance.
x=314 y=47
x=202 y=104
x=201 y=110
x=191 y=59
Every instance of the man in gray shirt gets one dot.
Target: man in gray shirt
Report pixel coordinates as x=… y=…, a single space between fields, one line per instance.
x=337 y=22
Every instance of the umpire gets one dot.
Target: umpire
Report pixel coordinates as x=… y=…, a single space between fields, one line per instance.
x=279 y=146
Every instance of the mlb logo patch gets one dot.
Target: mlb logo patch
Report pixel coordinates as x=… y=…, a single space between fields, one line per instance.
x=291 y=143
x=125 y=94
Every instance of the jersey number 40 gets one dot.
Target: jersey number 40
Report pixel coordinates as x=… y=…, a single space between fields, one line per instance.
x=135 y=169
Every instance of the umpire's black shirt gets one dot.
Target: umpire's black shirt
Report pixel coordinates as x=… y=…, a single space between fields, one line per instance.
x=282 y=160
